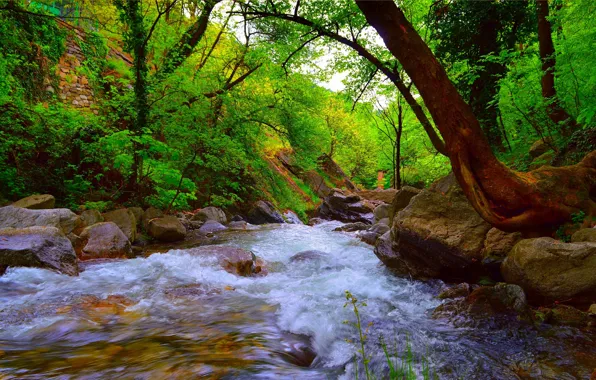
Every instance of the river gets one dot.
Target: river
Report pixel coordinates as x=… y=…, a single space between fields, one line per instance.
x=180 y=315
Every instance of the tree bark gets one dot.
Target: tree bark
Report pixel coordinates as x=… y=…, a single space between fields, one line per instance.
x=547 y=54
x=534 y=202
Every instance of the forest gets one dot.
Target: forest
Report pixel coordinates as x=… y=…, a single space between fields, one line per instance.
x=194 y=165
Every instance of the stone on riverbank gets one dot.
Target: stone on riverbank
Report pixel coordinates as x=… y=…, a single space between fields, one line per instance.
x=167 y=229
x=346 y=208
x=264 y=212
x=38 y=247
x=125 y=220
x=234 y=260
x=61 y=218
x=103 y=241
x=211 y=213
x=36 y=202
x=551 y=270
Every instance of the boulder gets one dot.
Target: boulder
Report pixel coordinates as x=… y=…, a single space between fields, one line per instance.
x=90 y=217
x=166 y=229
x=386 y=251
x=382 y=195
x=485 y=303
x=190 y=225
x=564 y=315
x=36 y=202
x=497 y=245
x=234 y=260
x=103 y=241
x=440 y=235
x=539 y=148
x=241 y=225
x=551 y=270
x=211 y=213
x=369 y=237
x=384 y=221
x=461 y=290
x=149 y=214
x=381 y=212
x=291 y=218
x=352 y=227
x=61 y=218
x=211 y=226
x=315 y=221
x=138 y=213
x=347 y=209
x=237 y=218
x=38 y=247
x=264 y=212
x=379 y=228
x=542 y=160
x=310 y=255
x=401 y=200
x=125 y=220
x=584 y=235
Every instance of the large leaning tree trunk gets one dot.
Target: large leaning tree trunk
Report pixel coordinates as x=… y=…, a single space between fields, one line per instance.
x=547 y=55
x=534 y=202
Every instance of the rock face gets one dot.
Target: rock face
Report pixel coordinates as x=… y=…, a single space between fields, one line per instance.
x=36 y=202
x=17 y=217
x=237 y=261
x=125 y=220
x=584 y=235
x=550 y=270
x=348 y=209
x=38 y=247
x=90 y=217
x=401 y=200
x=166 y=229
x=103 y=241
x=291 y=218
x=264 y=212
x=211 y=213
x=211 y=226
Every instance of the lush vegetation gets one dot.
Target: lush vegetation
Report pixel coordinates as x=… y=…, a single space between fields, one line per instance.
x=193 y=100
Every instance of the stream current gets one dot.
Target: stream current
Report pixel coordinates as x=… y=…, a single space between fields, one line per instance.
x=180 y=315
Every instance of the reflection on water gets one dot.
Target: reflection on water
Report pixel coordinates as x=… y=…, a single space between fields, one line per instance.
x=180 y=315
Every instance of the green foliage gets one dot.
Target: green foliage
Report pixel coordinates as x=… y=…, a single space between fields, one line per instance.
x=100 y=206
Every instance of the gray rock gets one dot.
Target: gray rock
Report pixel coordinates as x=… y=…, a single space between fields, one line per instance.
x=550 y=270
x=315 y=221
x=36 y=202
x=212 y=226
x=211 y=213
x=347 y=209
x=385 y=221
x=539 y=148
x=264 y=212
x=381 y=212
x=369 y=237
x=291 y=218
x=125 y=220
x=352 y=227
x=103 y=241
x=166 y=229
x=17 y=217
x=379 y=228
x=311 y=255
x=38 y=247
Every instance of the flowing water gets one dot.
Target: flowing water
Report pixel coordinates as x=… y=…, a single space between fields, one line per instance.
x=180 y=315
